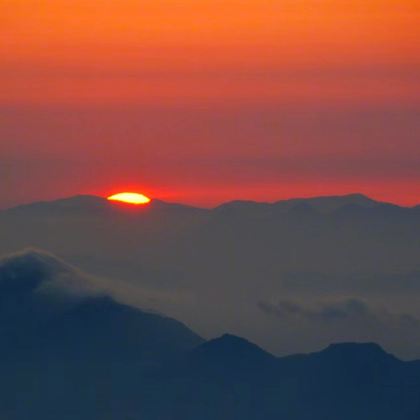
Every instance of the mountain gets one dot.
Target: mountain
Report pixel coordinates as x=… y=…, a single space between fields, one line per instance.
x=243 y=256
x=49 y=309
x=329 y=204
x=232 y=354
x=92 y=203
x=70 y=350
x=325 y=205
x=346 y=380
x=350 y=381
x=71 y=205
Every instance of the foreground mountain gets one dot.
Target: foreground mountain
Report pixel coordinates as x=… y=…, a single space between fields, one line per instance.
x=345 y=381
x=70 y=350
x=50 y=310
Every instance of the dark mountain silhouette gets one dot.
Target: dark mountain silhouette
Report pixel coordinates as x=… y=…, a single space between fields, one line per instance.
x=323 y=204
x=48 y=310
x=329 y=204
x=93 y=204
x=69 y=350
x=230 y=354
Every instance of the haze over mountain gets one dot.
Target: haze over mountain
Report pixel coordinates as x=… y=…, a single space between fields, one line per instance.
x=292 y=276
x=49 y=309
x=70 y=350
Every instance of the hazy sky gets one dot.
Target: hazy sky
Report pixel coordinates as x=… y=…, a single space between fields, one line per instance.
x=205 y=101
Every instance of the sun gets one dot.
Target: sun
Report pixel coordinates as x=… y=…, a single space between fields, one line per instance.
x=130 y=198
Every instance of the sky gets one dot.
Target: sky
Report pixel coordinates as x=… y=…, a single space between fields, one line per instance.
x=207 y=101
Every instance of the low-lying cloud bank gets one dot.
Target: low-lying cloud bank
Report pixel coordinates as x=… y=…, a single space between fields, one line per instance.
x=348 y=319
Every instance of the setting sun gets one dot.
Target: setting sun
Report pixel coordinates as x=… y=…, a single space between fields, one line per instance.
x=130 y=198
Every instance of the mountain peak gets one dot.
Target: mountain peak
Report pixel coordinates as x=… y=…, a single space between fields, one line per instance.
x=362 y=352
x=231 y=351
x=74 y=204
x=328 y=204
x=38 y=273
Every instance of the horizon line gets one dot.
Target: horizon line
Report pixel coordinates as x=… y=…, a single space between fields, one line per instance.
x=222 y=203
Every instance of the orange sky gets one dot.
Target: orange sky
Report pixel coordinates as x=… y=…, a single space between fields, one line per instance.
x=68 y=67
x=65 y=51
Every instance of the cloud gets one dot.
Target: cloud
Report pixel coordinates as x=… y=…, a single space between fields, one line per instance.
x=41 y=273
x=323 y=312
x=37 y=273
x=345 y=319
x=404 y=281
x=336 y=311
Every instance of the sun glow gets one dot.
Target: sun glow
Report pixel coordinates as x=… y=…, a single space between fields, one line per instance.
x=130 y=198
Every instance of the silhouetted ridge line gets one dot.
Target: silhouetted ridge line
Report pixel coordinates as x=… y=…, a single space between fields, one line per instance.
x=326 y=204
x=230 y=348
x=366 y=351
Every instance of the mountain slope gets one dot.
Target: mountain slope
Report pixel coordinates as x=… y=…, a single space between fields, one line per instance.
x=69 y=350
x=50 y=309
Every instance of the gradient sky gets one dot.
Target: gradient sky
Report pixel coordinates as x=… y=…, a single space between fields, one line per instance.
x=203 y=101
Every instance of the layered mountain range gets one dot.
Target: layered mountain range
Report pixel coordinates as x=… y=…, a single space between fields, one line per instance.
x=346 y=267
x=70 y=349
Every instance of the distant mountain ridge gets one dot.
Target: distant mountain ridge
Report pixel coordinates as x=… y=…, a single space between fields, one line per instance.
x=324 y=204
